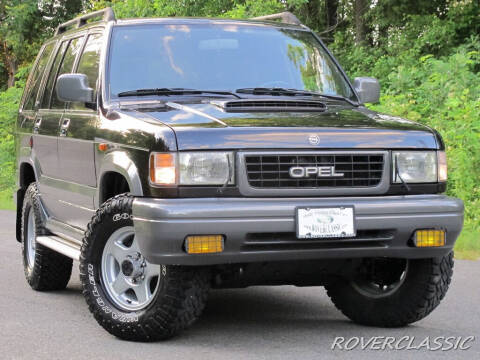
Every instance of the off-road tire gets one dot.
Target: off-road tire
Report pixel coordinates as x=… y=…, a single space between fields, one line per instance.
x=178 y=302
x=425 y=285
x=51 y=270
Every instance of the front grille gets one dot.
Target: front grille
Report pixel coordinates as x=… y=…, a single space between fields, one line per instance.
x=272 y=171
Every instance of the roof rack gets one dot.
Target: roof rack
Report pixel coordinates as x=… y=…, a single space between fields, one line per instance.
x=107 y=14
x=286 y=17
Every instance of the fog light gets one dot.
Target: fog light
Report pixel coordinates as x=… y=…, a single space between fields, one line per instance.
x=204 y=244
x=429 y=238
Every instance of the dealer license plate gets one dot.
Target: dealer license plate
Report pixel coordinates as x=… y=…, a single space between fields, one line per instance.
x=335 y=222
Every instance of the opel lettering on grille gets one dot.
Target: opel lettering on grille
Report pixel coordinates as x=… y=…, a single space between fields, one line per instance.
x=313 y=171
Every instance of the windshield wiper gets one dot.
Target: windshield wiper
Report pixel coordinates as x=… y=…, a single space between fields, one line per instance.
x=291 y=92
x=174 y=91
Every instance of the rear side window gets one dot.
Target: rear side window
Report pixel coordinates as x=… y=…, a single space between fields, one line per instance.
x=36 y=77
x=73 y=49
x=89 y=64
x=52 y=77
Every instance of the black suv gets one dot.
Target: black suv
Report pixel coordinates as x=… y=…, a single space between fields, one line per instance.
x=171 y=156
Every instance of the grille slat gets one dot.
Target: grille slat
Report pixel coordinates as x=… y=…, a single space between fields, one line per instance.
x=262 y=105
x=289 y=241
x=272 y=171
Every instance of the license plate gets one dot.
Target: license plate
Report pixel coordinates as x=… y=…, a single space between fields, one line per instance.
x=335 y=222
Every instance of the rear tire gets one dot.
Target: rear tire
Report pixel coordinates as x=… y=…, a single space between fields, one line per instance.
x=173 y=302
x=405 y=294
x=44 y=268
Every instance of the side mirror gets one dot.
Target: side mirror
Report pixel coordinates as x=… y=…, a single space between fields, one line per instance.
x=368 y=89
x=74 y=87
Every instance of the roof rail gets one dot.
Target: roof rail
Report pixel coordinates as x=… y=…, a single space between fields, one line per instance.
x=107 y=14
x=286 y=17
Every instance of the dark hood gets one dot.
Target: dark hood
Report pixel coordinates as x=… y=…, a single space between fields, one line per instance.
x=206 y=126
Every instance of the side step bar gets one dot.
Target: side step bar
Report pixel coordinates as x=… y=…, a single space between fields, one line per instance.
x=60 y=245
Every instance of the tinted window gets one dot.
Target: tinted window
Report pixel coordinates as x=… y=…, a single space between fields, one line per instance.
x=220 y=56
x=36 y=77
x=53 y=76
x=73 y=50
x=89 y=64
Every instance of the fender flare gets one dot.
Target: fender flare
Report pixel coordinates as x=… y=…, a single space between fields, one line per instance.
x=119 y=162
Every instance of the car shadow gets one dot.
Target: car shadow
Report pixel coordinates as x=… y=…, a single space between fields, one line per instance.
x=263 y=313
x=262 y=316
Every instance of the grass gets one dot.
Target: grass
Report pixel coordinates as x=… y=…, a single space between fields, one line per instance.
x=6 y=200
x=467 y=246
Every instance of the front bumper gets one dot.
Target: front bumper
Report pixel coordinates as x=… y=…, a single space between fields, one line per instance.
x=263 y=229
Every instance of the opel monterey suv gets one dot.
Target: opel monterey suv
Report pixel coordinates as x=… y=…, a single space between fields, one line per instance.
x=171 y=156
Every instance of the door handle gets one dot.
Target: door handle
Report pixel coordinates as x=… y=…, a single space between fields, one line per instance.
x=64 y=127
x=36 y=125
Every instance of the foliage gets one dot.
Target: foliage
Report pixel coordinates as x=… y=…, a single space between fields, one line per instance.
x=9 y=101
x=445 y=94
x=24 y=25
x=428 y=66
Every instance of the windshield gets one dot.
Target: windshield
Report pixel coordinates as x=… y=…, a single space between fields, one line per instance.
x=220 y=57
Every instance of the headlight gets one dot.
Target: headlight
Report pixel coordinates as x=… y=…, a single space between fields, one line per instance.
x=192 y=168
x=205 y=168
x=415 y=166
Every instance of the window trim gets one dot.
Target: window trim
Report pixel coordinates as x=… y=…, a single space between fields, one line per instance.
x=58 y=49
x=28 y=89
x=87 y=34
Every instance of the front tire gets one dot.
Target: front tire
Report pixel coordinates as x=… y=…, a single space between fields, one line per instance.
x=128 y=296
x=44 y=268
x=393 y=292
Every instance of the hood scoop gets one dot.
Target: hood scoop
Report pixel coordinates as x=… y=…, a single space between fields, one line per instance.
x=270 y=105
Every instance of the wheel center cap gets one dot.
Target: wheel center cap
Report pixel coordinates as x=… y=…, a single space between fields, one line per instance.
x=127 y=267
x=132 y=267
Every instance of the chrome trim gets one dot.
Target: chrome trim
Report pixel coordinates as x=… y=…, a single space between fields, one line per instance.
x=76 y=205
x=247 y=190
x=60 y=245
x=70 y=233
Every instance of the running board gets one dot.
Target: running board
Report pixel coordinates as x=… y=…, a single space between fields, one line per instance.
x=60 y=245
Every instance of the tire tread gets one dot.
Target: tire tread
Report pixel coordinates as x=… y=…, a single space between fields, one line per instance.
x=183 y=300
x=414 y=301
x=51 y=270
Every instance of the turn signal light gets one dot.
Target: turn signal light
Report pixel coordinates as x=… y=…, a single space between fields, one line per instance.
x=162 y=169
x=442 y=166
x=204 y=244
x=429 y=238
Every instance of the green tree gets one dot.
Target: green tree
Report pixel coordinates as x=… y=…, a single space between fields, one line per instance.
x=24 y=25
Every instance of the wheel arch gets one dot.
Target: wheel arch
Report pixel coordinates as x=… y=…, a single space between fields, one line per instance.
x=115 y=166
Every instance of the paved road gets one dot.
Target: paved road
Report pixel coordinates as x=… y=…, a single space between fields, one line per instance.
x=255 y=323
